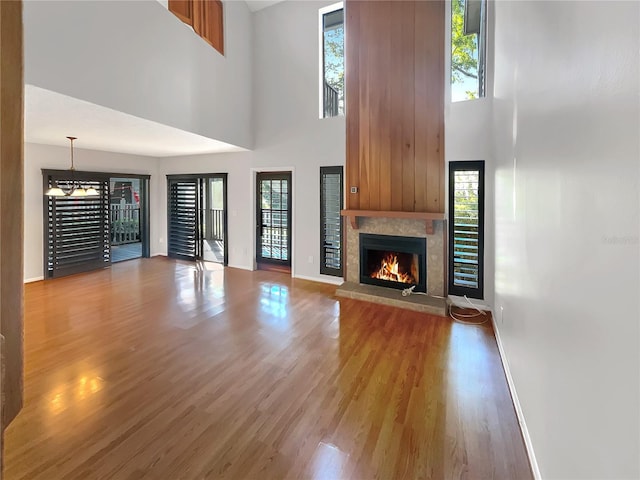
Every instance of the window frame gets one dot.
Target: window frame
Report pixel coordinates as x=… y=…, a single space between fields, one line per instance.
x=53 y=175
x=465 y=165
x=321 y=13
x=284 y=175
x=324 y=270
x=482 y=50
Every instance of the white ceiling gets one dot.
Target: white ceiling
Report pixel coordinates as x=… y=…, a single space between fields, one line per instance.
x=255 y=5
x=50 y=117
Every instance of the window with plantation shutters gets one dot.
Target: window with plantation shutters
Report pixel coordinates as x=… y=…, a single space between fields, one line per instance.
x=330 y=221
x=77 y=228
x=184 y=206
x=466 y=228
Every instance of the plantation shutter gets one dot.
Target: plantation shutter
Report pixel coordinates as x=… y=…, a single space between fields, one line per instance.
x=330 y=221
x=466 y=236
x=77 y=229
x=183 y=218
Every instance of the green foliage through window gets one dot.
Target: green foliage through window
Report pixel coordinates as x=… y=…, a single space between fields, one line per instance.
x=466 y=228
x=467 y=51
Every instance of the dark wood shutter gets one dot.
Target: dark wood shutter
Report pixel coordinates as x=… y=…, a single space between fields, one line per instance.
x=183 y=218
x=466 y=228
x=331 y=195
x=183 y=9
x=205 y=16
x=77 y=236
x=208 y=22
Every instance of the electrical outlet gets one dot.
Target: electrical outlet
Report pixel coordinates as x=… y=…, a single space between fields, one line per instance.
x=310 y=260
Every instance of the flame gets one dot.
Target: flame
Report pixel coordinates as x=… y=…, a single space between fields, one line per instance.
x=389 y=270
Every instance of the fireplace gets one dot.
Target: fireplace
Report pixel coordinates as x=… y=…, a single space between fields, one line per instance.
x=393 y=261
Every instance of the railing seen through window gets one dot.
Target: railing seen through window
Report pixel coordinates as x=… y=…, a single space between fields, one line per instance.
x=332 y=54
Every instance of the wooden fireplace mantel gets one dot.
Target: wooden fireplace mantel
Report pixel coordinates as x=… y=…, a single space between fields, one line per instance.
x=428 y=218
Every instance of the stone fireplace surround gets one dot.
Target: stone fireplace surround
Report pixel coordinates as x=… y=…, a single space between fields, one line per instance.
x=403 y=227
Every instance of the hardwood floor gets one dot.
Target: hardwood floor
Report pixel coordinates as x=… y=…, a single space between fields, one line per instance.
x=159 y=369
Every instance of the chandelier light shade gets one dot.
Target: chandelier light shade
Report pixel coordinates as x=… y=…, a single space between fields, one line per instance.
x=55 y=191
x=78 y=192
x=76 y=189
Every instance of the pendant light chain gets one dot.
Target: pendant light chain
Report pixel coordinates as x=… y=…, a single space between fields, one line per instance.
x=77 y=190
x=71 y=139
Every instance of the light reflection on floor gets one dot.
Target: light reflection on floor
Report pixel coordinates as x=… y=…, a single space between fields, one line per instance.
x=71 y=394
x=274 y=302
x=202 y=287
x=328 y=463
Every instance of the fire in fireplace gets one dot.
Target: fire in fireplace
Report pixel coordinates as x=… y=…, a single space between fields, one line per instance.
x=395 y=266
x=393 y=261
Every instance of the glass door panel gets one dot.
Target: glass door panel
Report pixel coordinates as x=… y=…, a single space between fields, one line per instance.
x=274 y=218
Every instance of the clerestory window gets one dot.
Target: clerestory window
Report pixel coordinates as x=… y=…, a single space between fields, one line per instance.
x=468 y=49
x=332 y=57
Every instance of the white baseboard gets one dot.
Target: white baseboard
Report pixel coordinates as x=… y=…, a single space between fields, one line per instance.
x=331 y=281
x=463 y=303
x=33 y=279
x=516 y=404
x=241 y=267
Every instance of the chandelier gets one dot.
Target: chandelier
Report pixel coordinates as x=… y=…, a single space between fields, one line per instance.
x=76 y=189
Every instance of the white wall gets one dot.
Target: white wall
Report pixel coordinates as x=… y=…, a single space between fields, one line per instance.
x=37 y=157
x=566 y=120
x=468 y=137
x=287 y=129
x=288 y=135
x=137 y=57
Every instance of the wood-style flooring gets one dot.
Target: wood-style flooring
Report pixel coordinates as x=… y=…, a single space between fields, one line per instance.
x=157 y=369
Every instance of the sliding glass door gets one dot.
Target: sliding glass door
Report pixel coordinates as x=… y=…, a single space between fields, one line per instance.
x=197 y=218
x=126 y=207
x=76 y=228
x=83 y=233
x=214 y=220
x=183 y=218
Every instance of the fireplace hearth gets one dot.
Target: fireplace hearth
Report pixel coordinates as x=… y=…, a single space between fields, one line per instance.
x=393 y=261
x=375 y=290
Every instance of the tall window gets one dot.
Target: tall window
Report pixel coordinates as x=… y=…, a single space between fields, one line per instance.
x=332 y=52
x=330 y=221
x=468 y=49
x=466 y=228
